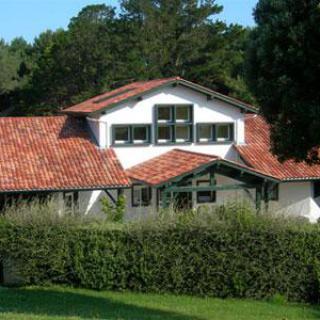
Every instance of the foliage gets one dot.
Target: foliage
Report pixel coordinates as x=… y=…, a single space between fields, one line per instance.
x=114 y=213
x=103 y=49
x=226 y=252
x=55 y=303
x=283 y=70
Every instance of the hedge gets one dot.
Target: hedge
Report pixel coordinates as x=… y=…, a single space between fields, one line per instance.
x=254 y=259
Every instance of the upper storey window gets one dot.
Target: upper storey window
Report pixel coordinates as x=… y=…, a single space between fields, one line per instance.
x=215 y=132
x=131 y=134
x=174 y=124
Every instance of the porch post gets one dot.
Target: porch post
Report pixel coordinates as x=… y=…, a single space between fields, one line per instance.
x=258 y=198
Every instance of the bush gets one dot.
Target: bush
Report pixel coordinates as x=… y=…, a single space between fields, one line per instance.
x=226 y=252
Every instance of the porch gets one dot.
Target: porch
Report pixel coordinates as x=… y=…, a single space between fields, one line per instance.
x=187 y=179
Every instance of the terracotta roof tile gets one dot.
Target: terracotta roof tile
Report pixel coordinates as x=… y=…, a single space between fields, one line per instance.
x=51 y=153
x=135 y=89
x=115 y=96
x=256 y=153
x=168 y=165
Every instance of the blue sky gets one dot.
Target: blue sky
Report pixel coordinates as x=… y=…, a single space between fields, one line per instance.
x=28 y=18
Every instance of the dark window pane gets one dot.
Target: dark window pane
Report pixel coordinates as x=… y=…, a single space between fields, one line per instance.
x=183 y=113
x=205 y=196
x=223 y=132
x=140 y=134
x=182 y=133
x=164 y=133
x=164 y=113
x=205 y=132
x=316 y=189
x=141 y=196
x=121 y=134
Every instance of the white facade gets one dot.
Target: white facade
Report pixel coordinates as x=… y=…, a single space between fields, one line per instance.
x=295 y=198
x=142 y=112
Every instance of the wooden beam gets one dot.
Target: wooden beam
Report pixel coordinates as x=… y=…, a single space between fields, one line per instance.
x=210 y=188
x=113 y=200
x=258 y=198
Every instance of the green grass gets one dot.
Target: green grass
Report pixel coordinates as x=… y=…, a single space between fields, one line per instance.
x=66 y=303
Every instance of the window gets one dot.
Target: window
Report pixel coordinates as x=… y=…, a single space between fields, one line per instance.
x=164 y=134
x=121 y=135
x=223 y=132
x=174 y=124
x=214 y=132
x=316 y=189
x=183 y=113
x=164 y=114
x=131 y=134
x=183 y=134
x=273 y=193
x=140 y=134
x=141 y=195
x=205 y=133
x=205 y=196
x=71 y=201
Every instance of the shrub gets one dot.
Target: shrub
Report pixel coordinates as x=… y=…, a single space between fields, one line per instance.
x=226 y=252
x=114 y=213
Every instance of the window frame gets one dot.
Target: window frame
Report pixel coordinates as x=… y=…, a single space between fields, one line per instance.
x=141 y=186
x=214 y=131
x=173 y=124
x=131 y=142
x=75 y=207
x=274 y=193
x=213 y=194
x=219 y=125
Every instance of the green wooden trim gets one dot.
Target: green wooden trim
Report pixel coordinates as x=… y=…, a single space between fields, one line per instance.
x=217 y=164
x=214 y=127
x=258 y=198
x=213 y=194
x=130 y=141
x=173 y=124
x=210 y=188
x=149 y=195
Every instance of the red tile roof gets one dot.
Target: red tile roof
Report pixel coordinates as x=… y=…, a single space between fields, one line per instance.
x=256 y=153
x=167 y=166
x=136 y=89
x=178 y=162
x=54 y=153
x=116 y=96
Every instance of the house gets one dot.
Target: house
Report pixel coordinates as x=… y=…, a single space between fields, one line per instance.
x=157 y=142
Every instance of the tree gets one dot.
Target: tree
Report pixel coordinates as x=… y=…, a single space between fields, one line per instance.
x=15 y=68
x=283 y=70
x=182 y=38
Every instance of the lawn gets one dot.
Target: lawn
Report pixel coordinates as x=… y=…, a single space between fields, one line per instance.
x=64 y=303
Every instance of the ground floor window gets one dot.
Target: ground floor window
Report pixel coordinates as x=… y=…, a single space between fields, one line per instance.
x=316 y=189
x=141 y=195
x=273 y=193
x=71 y=201
x=205 y=196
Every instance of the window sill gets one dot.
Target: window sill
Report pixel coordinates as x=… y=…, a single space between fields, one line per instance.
x=115 y=145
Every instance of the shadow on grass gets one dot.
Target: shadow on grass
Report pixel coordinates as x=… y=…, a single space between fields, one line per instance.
x=83 y=305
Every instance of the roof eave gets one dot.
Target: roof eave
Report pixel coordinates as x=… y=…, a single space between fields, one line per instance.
x=188 y=84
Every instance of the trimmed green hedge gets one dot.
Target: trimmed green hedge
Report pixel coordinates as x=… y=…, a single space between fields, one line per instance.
x=254 y=259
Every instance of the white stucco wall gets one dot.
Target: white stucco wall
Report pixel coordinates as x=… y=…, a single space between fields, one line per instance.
x=296 y=198
x=142 y=112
